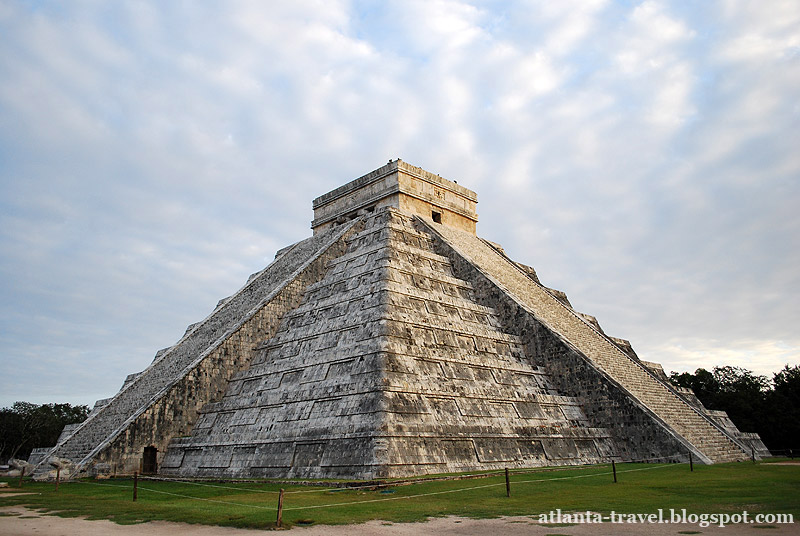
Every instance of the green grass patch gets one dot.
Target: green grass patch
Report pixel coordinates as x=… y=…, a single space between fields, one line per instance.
x=642 y=488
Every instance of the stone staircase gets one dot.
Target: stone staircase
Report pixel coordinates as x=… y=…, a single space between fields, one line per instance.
x=387 y=368
x=708 y=438
x=171 y=364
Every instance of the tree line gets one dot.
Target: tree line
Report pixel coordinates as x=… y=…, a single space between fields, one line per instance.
x=770 y=407
x=25 y=426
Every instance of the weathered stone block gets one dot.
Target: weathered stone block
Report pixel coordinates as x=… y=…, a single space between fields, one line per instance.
x=394 y=342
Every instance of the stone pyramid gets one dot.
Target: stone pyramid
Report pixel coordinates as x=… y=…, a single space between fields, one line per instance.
x=395 y=342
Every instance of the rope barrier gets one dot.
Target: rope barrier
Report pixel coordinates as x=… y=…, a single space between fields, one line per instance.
x=180 y=495
x=318 y=490
x=340 y=488
x=401 y=497
x=365 y=501
x=487 y=474
x=465 y=489
x=192 y=483
x=208 y=500
x=99 y=484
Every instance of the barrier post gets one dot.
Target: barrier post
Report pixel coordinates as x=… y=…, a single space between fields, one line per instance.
x=58 y=476
x=753 y=453
x=135 y=485
x=21 y=475
x=614 y=468
x=508 y=485
x=280 y=509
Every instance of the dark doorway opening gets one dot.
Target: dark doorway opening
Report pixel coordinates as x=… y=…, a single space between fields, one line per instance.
x=437 y=217
x=149 y=461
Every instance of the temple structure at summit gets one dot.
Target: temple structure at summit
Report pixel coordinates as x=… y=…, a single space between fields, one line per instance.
x=394 y=341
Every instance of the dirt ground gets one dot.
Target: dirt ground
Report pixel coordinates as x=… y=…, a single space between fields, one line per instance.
x=19 y=521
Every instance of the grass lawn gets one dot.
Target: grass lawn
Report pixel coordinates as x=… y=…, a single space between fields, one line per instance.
x=641 y=488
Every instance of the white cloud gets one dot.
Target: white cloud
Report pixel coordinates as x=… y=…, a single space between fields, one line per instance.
x=439 y=27
x=758 y=33
x=651 y=36
x=527 y=78
x=571 y=22
x=762 y=357
x=641 y=156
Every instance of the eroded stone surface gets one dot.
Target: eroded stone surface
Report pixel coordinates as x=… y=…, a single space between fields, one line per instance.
x=162 y=401
x=582 y=333
x=394 y=342
x=389 y=367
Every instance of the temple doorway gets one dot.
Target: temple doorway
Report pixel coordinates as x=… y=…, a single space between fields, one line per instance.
x=149 y=461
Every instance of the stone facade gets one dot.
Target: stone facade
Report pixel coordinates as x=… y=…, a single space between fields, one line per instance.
x=388 y=368
x=394 y=342
x=695 y=428
x=162 y=401
x=400 y=185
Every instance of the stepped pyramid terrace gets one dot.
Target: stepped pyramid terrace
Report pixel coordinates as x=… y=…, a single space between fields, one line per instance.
x=392 y=342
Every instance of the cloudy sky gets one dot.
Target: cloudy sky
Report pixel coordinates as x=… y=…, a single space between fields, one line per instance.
x=643 y=156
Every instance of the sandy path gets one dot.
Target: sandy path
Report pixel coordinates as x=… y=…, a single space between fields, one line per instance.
x=19 y=521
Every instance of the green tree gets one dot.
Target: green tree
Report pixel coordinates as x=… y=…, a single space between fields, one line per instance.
x=783 y=410
x=702 y=382
x=25 y=426
x=742 y=395
x=753 y=402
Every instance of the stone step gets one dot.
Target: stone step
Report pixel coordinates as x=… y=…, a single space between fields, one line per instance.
x=141 y=392
x=632 y=375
